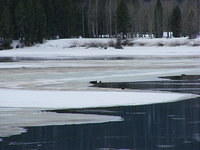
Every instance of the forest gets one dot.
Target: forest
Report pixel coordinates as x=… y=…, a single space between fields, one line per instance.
x=32 y=21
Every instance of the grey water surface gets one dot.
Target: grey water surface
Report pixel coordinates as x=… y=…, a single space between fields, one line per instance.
x=173 y=126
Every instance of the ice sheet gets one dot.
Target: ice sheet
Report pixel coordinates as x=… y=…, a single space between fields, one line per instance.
x=14 y=120
x=83 y=99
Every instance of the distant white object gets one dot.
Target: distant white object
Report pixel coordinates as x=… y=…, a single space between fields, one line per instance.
x=57 y=37
x=167 y=34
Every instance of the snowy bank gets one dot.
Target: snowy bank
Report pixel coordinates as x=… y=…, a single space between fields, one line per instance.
x=60 y=49
x=83 y=99
x=110 y=42
x=168 y=42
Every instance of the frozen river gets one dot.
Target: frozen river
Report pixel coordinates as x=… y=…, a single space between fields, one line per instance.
x=76 y=74
x=45 y=128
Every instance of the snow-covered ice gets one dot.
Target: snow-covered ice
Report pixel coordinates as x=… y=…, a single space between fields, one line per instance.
x=76 y=74
x=83 y=99
x=23 y=108
x=13 y=121
x=146 y=63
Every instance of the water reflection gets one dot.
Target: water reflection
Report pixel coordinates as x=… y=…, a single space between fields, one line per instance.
x=172 y=126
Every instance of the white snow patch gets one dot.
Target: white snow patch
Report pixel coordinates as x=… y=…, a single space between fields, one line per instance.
x=14 y=120
x=83 y=99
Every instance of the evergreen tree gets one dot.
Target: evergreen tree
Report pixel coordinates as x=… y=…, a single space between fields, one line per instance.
x=6 y=28
x=48 y=6
x=191 y=29
x=122 y=18
x=2 y=6
x=31 y=21
x=20 y=17
x=176 y=20
x=158 y=20
x=12 y=6
x=40 y=22
x=35 y=20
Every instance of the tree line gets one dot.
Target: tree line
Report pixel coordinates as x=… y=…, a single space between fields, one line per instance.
x=32 y=21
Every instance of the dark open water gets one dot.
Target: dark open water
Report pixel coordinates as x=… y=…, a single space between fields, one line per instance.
x=170 y=126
